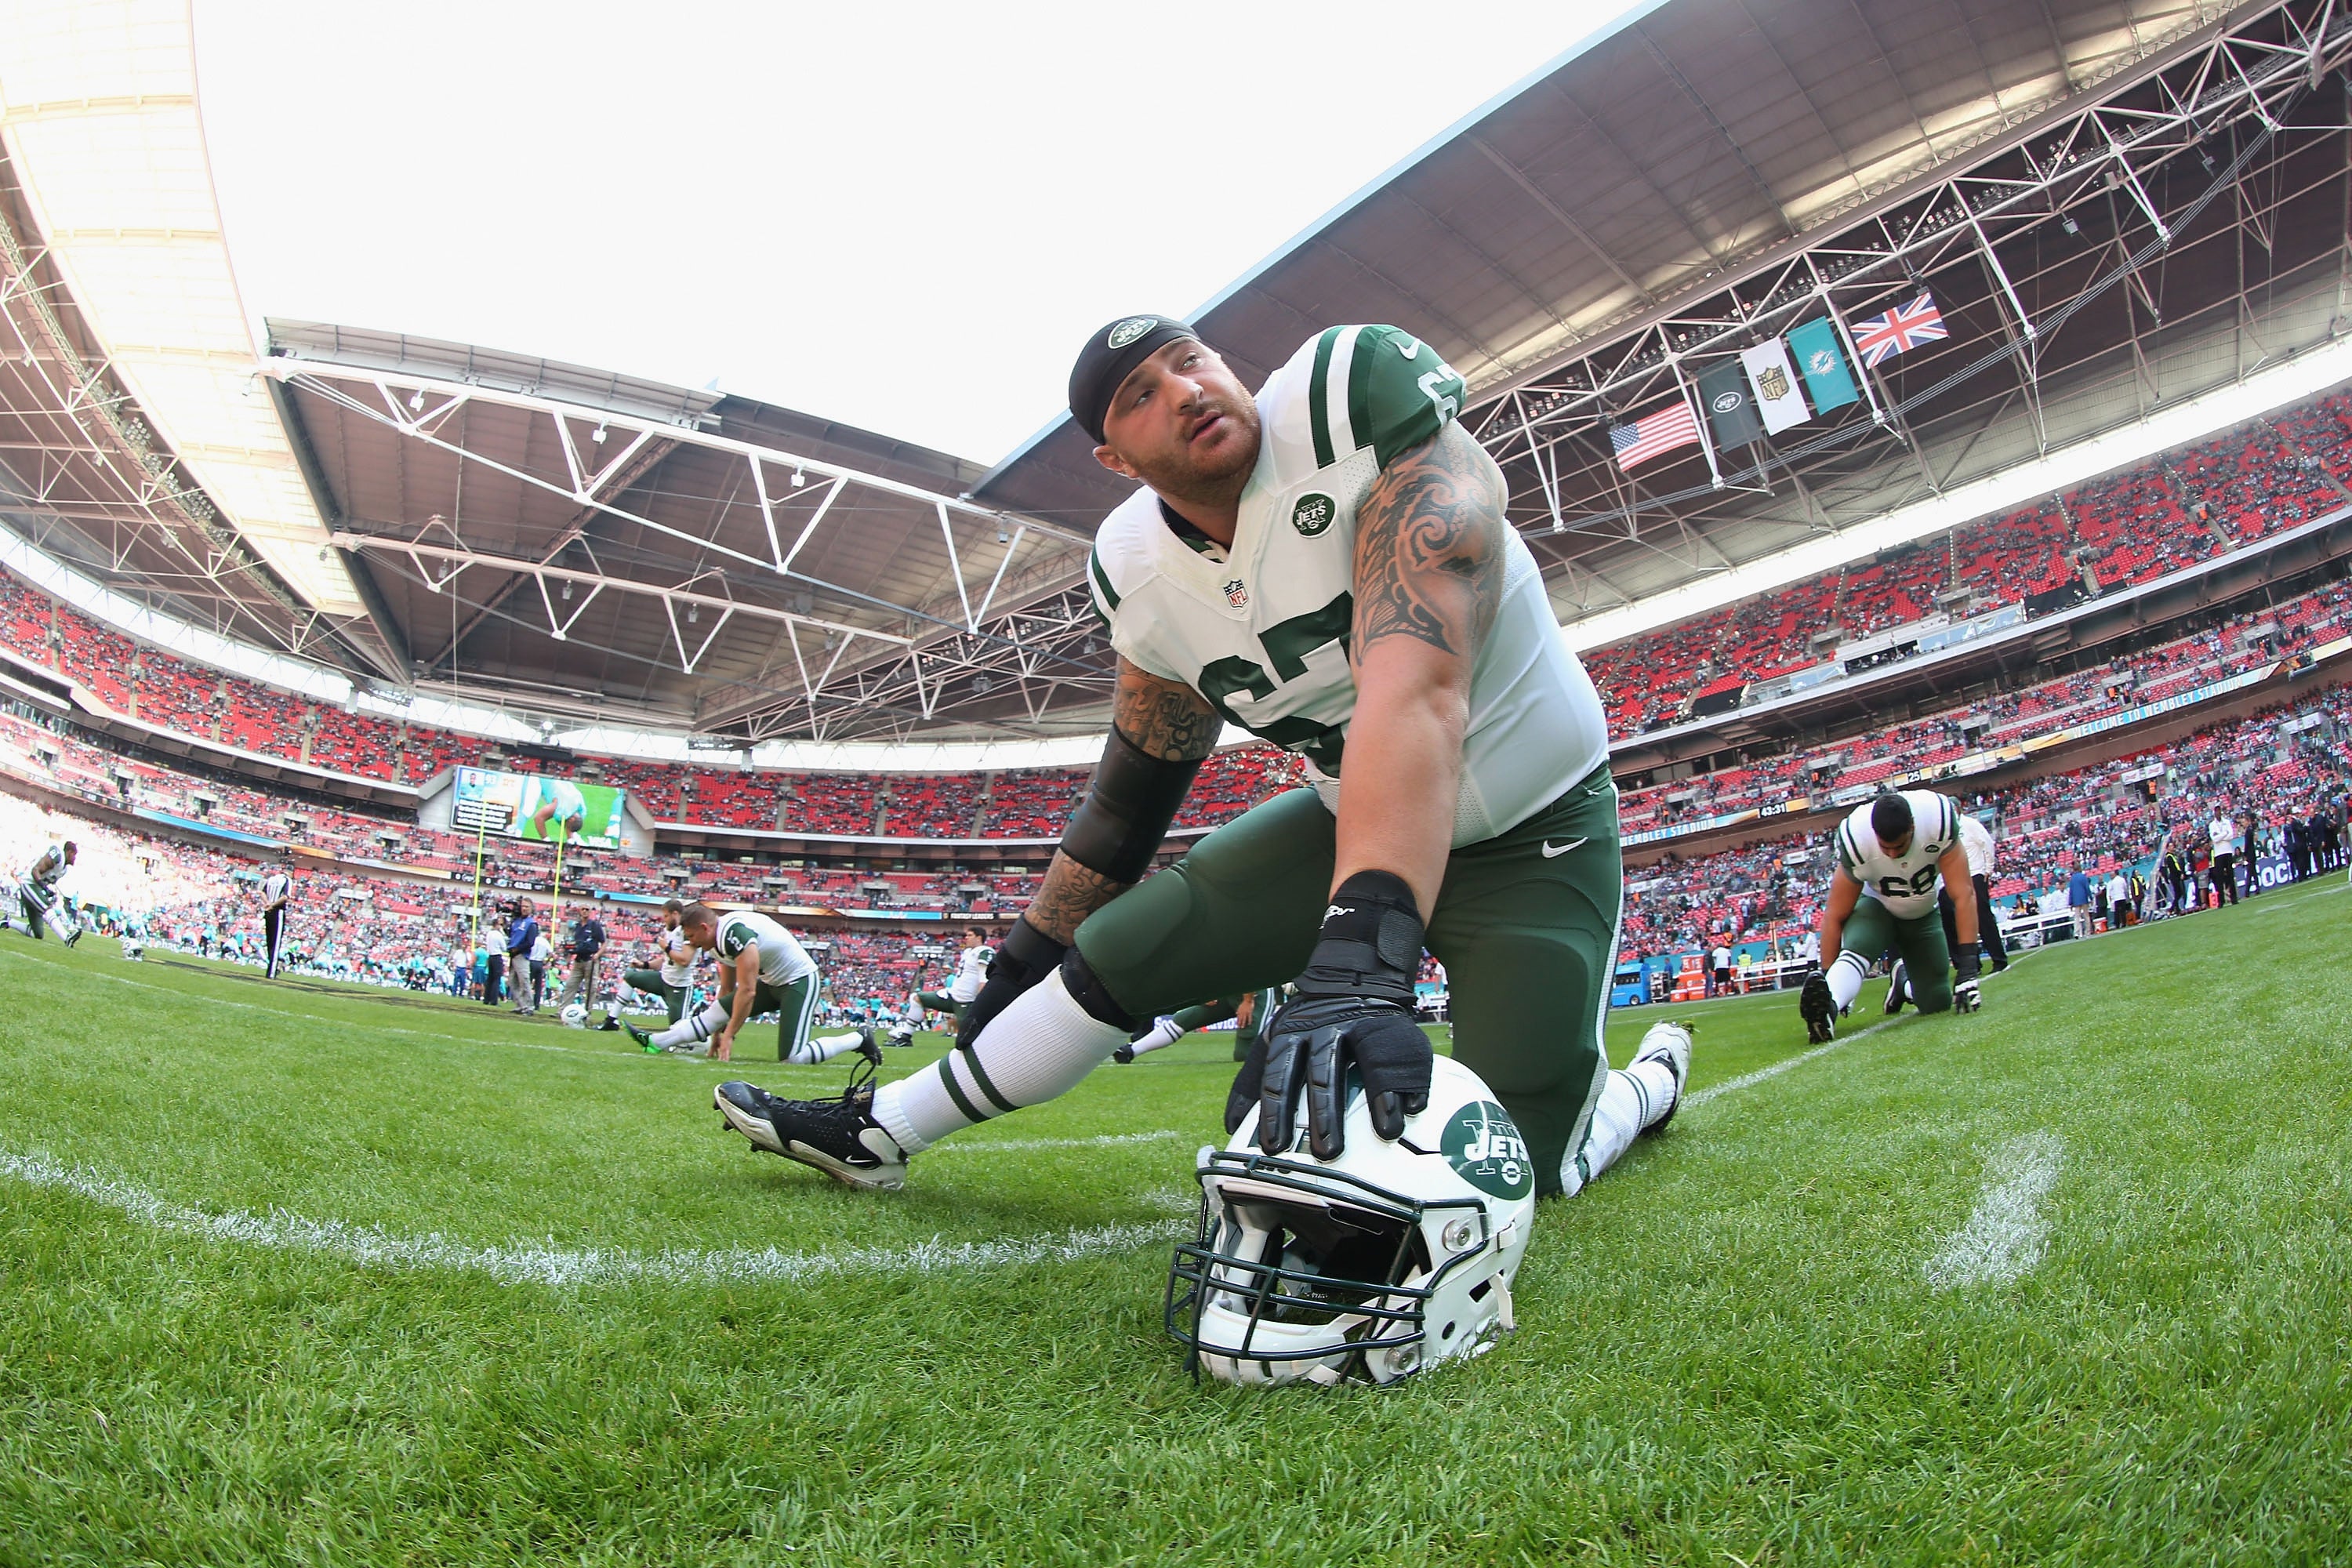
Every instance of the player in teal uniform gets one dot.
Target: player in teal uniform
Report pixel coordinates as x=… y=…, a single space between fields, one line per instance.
x=560 y=800
x=1329 y=565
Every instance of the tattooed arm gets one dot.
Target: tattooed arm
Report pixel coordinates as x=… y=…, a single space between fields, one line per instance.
x=1429 y=581
x=1164 y=720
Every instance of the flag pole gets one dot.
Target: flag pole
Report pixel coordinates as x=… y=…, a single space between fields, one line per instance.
x=1698 y=419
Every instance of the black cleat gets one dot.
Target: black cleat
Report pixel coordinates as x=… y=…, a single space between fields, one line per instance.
x=837 y=1136
x=1820 y=1011
x=869 y=1046
x=1898 y=988
x=644 y=1040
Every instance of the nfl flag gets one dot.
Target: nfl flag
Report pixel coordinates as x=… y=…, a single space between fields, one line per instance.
x=1880 y=338
x=1826 y=378
x=1777 y=397
x=1653 y=435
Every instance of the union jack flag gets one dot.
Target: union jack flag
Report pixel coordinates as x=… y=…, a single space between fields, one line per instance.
x=1879 y=338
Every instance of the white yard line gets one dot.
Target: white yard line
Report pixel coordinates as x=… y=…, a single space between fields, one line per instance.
x=1108 y=1141
x=548 y=1264
x=2005 y=1234
x=313 y=1018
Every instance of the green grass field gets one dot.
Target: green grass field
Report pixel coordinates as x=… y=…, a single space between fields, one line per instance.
x=295 y=1275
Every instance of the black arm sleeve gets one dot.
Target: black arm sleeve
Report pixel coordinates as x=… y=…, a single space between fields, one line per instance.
x=1120 y=824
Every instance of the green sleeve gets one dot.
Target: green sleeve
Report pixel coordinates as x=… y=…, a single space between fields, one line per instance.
x=1397 y=393
x=1400 y=392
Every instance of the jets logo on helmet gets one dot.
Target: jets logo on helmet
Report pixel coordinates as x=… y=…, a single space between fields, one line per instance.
x=1390 y=1259
x=1130 y=330
x=1484 y=1145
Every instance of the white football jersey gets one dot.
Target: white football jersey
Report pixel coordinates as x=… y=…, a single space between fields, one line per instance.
x=1263 y=635
x=678 y=958
x=783 y=959
x=1905 y=884
x=971 y=974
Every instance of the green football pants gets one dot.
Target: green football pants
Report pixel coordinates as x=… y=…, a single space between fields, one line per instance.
x=650 y=982
x=796 y=1007
x=1874 y=930
x=939 y=1001
x=1526 y=924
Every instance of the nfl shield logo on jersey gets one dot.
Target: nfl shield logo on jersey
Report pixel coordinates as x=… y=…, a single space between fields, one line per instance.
x=1313 y=514
x=1237 y=595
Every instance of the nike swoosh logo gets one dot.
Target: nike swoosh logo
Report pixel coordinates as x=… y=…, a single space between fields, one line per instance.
x=1550 y=849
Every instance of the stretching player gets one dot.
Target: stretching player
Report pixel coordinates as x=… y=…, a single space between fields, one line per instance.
x=761 y=969
x=1892 y=853
x=36 y=890
x=1248 y=1011
x=1329 y=565
x=971 y=974
x=671 y=975
x=560 y=800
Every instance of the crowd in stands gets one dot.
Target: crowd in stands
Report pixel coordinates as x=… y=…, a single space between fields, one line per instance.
x=2126 y=528
x=2289 y=761
x=2248 y=641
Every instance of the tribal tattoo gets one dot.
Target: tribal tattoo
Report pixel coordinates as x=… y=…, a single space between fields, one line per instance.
x=1429 y=548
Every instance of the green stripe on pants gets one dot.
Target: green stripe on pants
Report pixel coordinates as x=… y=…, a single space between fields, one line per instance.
x=1528 y=939
x=796 y=1005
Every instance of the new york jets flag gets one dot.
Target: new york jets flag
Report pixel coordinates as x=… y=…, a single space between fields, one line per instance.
x=1777 y=397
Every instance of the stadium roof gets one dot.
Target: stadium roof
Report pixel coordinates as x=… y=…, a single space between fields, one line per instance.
x=2117 y=206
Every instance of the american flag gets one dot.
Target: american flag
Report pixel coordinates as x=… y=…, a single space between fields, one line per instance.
x=1654 y=434
x=1905 y=327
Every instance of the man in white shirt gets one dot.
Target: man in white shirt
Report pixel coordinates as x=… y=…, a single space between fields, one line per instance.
x=2119 y=900
x=1976 y=844
x=2223 y=835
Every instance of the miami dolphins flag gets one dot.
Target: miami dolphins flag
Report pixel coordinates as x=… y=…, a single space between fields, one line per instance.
x=1777 y=397
x=1826 y=377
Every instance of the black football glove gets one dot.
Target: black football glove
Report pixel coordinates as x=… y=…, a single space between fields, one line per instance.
x=1024 y=958
x=1353 y=1007
x=1964 y=991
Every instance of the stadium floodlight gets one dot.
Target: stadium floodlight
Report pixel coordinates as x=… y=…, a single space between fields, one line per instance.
x=597 y=435
x=799 y=478
x=416 y=401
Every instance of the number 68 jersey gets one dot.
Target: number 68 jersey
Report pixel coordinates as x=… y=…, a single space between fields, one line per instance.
x=1905 y=884
x=1262 y=633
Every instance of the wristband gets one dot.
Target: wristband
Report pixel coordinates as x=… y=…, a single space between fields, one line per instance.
x=1370 y=945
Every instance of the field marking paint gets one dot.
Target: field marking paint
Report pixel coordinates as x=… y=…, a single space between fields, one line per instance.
x=2006 y=1233
x=572 y=1052
x=548 y=1264
x=1108 y=1141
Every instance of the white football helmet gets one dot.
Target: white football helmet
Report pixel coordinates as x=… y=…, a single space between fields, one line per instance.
x=574 y=1015
x=1369 y=1267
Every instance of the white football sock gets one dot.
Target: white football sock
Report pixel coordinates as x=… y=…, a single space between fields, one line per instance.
x=823 y=1049
x=695 y=1027
x=1038 y=1047
x=1163 y=1033
x=1634 y=1098
x=1845 y=979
